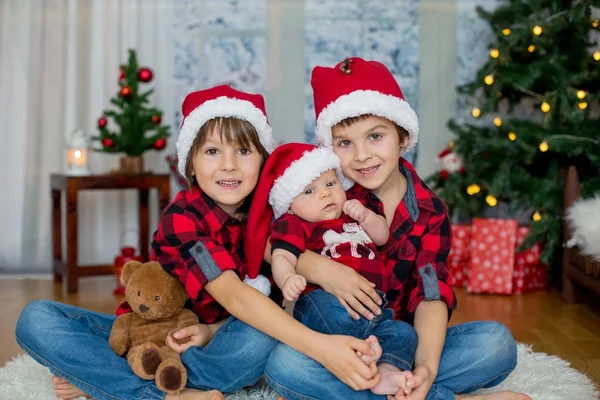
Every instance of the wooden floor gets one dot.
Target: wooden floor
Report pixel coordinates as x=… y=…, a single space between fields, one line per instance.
x=541 y=319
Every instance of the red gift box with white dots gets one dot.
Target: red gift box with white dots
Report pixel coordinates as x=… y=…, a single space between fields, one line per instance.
x=484 y=258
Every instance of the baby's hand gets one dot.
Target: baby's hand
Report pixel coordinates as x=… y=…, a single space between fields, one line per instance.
x=183 y=339
x=293 y=285
x=355 y=210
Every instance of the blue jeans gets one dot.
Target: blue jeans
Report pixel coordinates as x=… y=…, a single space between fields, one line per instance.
x=476 y=355
x=322 y=312
x=73 y=343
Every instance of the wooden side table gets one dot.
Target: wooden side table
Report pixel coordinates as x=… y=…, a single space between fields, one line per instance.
x=70 y=272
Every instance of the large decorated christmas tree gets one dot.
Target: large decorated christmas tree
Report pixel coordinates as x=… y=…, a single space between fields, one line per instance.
x=138 y=126
x=534 y=111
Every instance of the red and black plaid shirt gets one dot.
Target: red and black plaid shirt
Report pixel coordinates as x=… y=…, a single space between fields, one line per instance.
x=416 y=252
x=342 y=240
x=192 y=228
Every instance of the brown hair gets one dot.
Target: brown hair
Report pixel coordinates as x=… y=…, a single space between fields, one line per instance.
x=232 y=130
x=402 y=133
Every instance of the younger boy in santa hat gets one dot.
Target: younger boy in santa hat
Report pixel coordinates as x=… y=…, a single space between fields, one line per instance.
x=303 y=189
x=363 y=117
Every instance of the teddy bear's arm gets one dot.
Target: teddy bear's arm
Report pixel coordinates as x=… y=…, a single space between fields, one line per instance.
x=186 y=318
x=119 y=334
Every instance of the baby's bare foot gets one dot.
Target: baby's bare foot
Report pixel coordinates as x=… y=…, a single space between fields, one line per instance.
x=504 y=395
x=375 y=348
x=393 y=380
x=191 y=394
x=65 y=390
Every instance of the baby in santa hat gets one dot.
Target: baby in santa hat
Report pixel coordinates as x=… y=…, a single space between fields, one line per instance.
x=303 y=189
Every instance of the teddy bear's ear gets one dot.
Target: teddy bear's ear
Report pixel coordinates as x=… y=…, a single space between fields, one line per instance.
x=128 y=269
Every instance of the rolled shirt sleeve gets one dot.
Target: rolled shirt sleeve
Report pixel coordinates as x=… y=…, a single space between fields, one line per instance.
x=431 y=275
x=184 y=249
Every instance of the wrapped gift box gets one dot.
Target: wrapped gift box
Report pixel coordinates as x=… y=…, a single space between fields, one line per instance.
x=492 y=260
x=529 y=273
x=458 y=259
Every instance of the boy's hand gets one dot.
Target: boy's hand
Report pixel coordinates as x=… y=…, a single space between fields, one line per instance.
x=183 y=339
x=420 y=383
x=339 y=355
x=293 y=285
x=355 y=210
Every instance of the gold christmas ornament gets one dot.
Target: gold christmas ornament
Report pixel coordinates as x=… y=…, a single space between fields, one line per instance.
x=583 y=105
x=476 y=112
x=506 y=31
x=537 y=30
x=545 y=107
x=536 y=217
x=489 y=79
x=512 y=136
x=581 y=94
x=596 y=55
x=544 y=146
x=595 y=23
x=531 y=48
x=494 y=53
x=473 y=189
x=491 y=200
x=498 y=121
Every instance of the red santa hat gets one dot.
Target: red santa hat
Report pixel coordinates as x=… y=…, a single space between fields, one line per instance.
x=287 y=171
x=355 y=87
x=220 y=101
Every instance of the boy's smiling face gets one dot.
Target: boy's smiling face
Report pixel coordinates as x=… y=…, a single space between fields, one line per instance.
x=321 y=200
x=369 y=150
x=226 y=172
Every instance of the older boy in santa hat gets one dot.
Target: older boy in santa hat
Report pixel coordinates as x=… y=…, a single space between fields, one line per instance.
x=362 y=115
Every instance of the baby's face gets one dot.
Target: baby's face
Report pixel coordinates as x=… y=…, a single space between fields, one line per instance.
x=321 y=200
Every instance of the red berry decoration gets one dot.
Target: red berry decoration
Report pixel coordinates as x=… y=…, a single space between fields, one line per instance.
x=107 y=142
x=159 y=144
x=444 y=174
x=102 y=122
x=145 y=74
x=156 y=119
x=125 y=91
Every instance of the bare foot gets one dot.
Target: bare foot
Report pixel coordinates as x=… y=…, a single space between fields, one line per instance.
x=377 y=351
x=393 y=380
x=504 y=395
x=191 y=394
x=65 y=389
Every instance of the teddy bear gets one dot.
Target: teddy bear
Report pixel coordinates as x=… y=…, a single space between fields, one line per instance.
x=157 y=300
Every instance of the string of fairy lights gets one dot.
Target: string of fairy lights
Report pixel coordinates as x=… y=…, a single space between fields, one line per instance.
x=545 y=107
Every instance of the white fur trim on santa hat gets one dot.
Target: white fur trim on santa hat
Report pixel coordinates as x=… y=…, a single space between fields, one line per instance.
x=362 y=102
x=301 y=173
x=260 y=283
x=221 y=107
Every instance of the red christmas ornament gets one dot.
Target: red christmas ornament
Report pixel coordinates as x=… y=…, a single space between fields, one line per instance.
x=486 y=154
x=107 y=142
x=102 y=122
x=159 y=144
x=462 y=170
x=444 y=174
x=125 y=91
x=122 y=74
x=156 y=119
x=145 y=74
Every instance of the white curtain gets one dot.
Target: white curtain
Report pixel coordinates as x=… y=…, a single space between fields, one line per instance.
x=59 y=65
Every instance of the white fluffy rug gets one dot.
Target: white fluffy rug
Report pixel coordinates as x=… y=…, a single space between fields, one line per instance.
x=541 y=376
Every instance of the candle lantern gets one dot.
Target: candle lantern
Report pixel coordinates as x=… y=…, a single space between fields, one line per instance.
x=78 y=153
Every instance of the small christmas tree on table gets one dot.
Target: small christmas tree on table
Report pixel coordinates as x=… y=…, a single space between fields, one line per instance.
x=139 y=127
x=534 y=112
